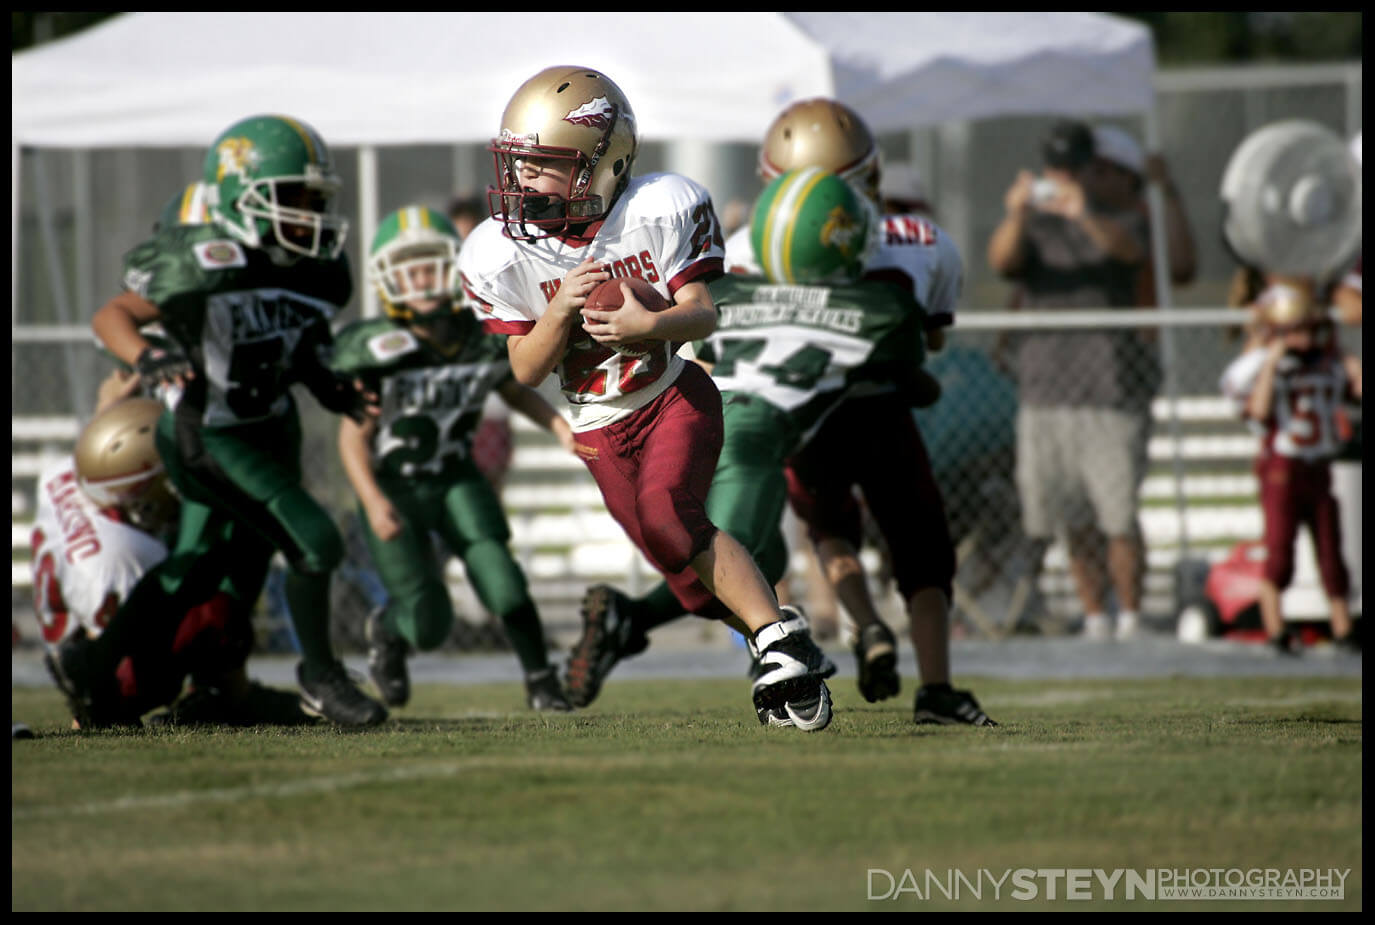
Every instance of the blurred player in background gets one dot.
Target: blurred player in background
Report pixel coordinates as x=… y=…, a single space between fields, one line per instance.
x=566 y=216
x=872 y=443
x=413 y=468
x=1291 y=387
x=104 y=518
x=246 y=302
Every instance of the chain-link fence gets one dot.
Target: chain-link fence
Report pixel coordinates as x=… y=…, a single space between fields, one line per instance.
x=1195 y=500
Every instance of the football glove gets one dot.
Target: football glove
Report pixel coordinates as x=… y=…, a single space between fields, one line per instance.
x=341 y=394
x=162 y=364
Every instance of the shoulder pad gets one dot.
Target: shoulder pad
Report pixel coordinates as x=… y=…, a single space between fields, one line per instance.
x=219 y=254
x=391 y=344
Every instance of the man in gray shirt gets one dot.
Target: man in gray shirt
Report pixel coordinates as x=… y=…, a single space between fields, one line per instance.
x=1084 y=395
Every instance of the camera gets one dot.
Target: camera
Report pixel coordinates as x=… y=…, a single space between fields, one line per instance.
x=1044 y=190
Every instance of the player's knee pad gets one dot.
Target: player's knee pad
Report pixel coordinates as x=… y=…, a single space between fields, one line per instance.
x=1279 y=567
x=675 y=530
x=934 y=568
x=313 y=544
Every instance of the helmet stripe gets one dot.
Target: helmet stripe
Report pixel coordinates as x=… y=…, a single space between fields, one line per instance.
x=313 y=145
x=188 y=201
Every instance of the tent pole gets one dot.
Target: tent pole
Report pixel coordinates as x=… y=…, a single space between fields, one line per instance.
x=85 y=237
x=1155 y=199
x=14 y=255
x=367 y=219
x=82 y=392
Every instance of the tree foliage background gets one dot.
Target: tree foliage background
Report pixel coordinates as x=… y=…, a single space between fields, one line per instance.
x=1182 y=39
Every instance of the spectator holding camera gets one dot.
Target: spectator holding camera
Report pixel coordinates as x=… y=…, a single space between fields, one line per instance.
x=1084 y=395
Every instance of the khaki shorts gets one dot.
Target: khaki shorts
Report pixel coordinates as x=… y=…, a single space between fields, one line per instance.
x=1078 y=467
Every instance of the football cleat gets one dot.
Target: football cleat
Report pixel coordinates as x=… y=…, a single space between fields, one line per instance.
x=876 y=654
x=543 y=693
x=333 y=695
x=791 y=690
x=1288 y=643
x=607 y=637
x=948 y=707
x=387 y=660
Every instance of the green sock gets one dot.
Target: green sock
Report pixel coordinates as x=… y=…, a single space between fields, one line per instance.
x=526 y=634
x=307 y=596
x=656 y=608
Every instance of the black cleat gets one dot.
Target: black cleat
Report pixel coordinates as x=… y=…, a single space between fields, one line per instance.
x=607 y=637
x=544 y=694
x=333 y=695
x=876 y=654
x=387 y=661
x=948 y=707
x=1288 y=643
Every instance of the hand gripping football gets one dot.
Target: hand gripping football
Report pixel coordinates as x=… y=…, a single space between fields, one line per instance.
x=608 y=297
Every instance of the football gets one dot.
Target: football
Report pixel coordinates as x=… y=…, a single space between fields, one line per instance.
x=608 y=297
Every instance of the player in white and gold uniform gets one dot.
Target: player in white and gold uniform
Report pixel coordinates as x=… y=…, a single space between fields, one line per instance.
x=103 y=518
x=566 y=216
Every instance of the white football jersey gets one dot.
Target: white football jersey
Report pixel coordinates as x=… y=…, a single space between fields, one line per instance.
x=1305 y=417
x=84 y=562
x=662 y=229
x=914 y=253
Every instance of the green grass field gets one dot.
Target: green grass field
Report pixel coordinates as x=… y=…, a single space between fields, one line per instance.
x=667 y=795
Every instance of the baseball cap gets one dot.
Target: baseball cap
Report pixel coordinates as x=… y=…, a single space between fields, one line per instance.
x=1113 y=144
x=1069 y=145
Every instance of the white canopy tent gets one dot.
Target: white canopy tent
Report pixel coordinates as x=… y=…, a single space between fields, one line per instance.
x=403 y=78
x=375 y=79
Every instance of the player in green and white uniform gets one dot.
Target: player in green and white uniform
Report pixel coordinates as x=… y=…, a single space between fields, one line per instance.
x=246 y=303
x=788 y=348
x=412 y=468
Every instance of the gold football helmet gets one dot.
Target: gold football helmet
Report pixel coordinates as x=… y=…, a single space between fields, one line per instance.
x=822 y=133
x=574 y=115
x=117 y=464
x=1284 y=308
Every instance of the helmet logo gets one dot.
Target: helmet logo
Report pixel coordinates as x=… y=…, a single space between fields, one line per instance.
x=237 y=156
x=595 y=114
x=841 y=231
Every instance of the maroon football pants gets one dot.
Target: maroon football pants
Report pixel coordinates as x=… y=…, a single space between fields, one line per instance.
x=654 y=469
x=1295 y=493
x=210 y=642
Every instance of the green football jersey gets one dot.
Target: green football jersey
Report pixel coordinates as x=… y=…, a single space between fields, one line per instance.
x=803 y=348
x=431 y=403
x=240 y=318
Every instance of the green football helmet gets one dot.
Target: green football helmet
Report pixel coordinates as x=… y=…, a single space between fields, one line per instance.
x=271 y=181
x=810 y=227
x=414 y=256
